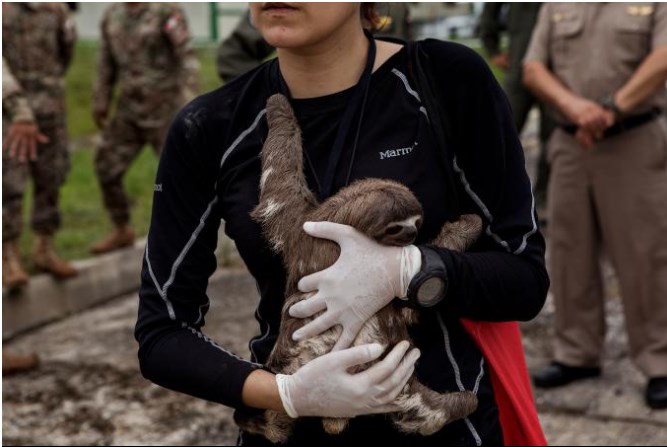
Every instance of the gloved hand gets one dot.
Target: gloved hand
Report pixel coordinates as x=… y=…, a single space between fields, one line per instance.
x=364 y=279
x=324 y=388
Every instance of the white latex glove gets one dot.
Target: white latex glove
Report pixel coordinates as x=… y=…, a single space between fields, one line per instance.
x=324 y=388
x=364 y=279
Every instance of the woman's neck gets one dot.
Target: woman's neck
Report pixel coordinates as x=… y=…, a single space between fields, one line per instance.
x=330 y=66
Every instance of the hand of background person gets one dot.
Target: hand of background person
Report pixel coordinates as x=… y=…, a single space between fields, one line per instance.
x=364 y=279
x=585 y=138
x=324 y=387
x=501 y=60
x=22 y=140
x=100 y=116
x=589 y=116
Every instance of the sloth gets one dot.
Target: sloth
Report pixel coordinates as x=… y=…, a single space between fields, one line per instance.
x=385 y=211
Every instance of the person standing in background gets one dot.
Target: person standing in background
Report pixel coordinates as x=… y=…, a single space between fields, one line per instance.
x=245 y=48
x=25 y=136
x=520 y=20
x=146 y=51
x=38 y=43
x=603 y=67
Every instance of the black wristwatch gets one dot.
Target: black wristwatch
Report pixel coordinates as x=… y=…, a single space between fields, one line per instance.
x=609 y=103
x=429 y=286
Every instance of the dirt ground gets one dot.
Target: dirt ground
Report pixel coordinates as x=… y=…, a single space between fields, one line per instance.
x=88 y=390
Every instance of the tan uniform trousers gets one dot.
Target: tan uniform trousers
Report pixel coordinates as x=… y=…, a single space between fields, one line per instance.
x=612 y=196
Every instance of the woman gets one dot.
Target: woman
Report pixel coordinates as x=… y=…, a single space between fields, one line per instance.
x=361 y=117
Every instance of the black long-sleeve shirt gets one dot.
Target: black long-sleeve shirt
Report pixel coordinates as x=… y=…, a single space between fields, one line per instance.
x=210 y=170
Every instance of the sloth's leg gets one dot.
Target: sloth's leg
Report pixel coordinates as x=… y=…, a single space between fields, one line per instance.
x=425 y=411
x=460 y=234
x=284 y=199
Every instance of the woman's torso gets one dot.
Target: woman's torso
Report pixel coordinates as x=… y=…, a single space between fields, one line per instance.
x=395 y=142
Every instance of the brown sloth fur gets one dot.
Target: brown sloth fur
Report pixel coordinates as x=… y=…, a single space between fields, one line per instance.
x=384 y=210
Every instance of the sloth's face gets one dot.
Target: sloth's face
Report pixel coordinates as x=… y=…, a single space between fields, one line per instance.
x=400 y=233
x=391 y=215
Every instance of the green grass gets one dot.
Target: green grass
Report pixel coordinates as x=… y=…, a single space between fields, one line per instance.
x=208 y=74
x=79 y=82
x=85 y=219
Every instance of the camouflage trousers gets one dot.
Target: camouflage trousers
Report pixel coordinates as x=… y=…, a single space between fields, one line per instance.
x=48 y=174
x=122 y=141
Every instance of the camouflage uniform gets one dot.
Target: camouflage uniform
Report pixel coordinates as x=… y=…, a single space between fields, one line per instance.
x=14 y=102
x=245 y=48
x=145 y=49
x=38 y=41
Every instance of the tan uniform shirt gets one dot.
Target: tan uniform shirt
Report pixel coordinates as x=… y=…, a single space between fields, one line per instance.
x=594 y=48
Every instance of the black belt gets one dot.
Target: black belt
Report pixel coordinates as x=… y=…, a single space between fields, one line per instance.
x=622 y=126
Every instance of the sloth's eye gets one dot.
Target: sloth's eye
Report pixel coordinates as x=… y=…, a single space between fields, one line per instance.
x=394 y=229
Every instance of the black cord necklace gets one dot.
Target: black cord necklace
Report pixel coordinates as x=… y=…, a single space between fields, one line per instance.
x=358 y=99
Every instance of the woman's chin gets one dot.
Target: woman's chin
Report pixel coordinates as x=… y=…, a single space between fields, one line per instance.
x=283 y=37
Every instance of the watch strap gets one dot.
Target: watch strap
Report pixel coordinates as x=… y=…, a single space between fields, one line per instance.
x=432 y=267
x=609 y=103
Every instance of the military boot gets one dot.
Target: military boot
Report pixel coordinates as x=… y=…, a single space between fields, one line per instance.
x=13 y=275
x=46 y=259
x=121 y=236
x=13 y=363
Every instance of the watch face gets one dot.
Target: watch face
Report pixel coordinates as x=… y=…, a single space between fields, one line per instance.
x=430 y=292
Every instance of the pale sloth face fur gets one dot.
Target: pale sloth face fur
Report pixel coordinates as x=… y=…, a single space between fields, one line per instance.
x=384 y=210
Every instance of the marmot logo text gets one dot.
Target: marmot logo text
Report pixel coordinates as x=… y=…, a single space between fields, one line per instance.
x=390 y=153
